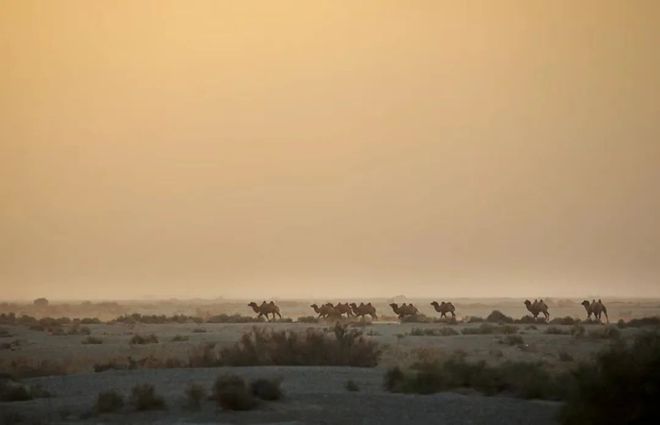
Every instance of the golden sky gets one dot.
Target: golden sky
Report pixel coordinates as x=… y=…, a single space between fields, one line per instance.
x=329 y=148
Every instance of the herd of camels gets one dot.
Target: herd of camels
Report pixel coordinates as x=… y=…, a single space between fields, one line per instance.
x=330 y=311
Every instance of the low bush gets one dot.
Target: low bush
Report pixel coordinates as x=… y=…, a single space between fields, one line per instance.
x=232 y=393
x=24 y=368
x=154 y=319
x=608 y=332
x=234 y=318
x=520 y=379
x=180 y=338
x=565 y=357
x=109 y=401
x=341 y=347
x=110 y=365
x=199 y=330
x=195 y=394
x=143 y=339
x=622 y=386
x=564 y=321
x=642 y=322
x=266 y=389
x=14 y=391
x=497 y=316
x=11 y=390
x=351 y=386
x=530 y=320
x=204 y=355
x=487 y=328
x=144 y=397
x=307 y=319
x=512 y=340
x=578 y=330
x=92 y=340
x=433 y=332
x=554 y=330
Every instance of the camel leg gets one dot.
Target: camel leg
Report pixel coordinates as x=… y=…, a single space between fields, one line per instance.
x=278 y=314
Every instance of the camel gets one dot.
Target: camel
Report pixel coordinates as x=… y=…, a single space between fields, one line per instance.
x=536 y=307
x=404 y=310
x=363 y=309
x=265 y=309
x=344 y=309
x=597 y=308
x=443 y=308
x=325 y=311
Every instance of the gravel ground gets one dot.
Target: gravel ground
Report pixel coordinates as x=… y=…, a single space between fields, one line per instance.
x=314 y=395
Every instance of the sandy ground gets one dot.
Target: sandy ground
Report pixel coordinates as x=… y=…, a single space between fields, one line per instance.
x=314 y=395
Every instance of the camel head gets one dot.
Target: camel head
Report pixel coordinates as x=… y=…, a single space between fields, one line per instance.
x=253 y=304
x=353 y=305
x=435 y=304
x=528 y=303
x=395 y=307
x=585 y=303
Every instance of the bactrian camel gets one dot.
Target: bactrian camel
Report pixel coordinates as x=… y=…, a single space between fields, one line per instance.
x=536 y=307
x=404 y=310
x=363 y=309
x=265 y=309
x=443 y=308
x=597 y=308
x=344 y=309
x=325 y=311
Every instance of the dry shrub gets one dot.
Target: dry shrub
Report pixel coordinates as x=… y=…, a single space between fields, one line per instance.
x=433 y=332
x=512 y=340
x=497 y=316
x=565 y=357
x=267 y=389
x=92 y=340
x=12 y=390
x=530 y=320
x=554 y=330
x=578 y=330
x=204 y=355
x=352 y=386
x=638 y=323
x=146 y=339
x=232 y=393
x=270 y=347
x=180 y=338
x=608 y=332
x=144 y=397
x=622 y=386
x=24 y=368
x=487 y=328
x=154 y=319
x=525 y=380
x=564 y=321
x=234 y=318
x=195 y=394
x=109 y=401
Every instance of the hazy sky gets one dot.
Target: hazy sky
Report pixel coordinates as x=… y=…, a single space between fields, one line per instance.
x=329 y=148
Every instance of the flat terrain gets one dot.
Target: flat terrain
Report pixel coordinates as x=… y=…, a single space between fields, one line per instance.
x=313 y=395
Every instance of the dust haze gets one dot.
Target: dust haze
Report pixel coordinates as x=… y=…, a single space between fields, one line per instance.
x=329 y=149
